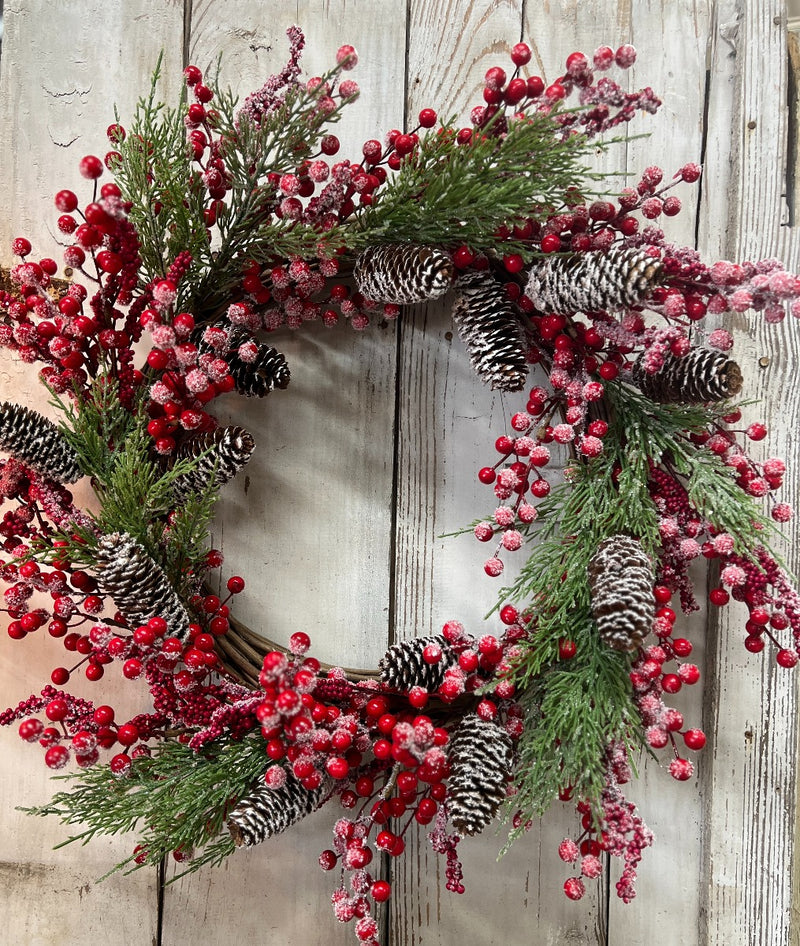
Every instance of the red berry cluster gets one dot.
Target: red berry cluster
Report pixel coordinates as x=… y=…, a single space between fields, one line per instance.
x=615 y=829
x=603 y=105
x=75 y=331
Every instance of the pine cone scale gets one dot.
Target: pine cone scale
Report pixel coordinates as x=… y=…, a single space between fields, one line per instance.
x=491 y=331
x=621 y=581
x=403 y=273
x=38 y=443
x=480 y=755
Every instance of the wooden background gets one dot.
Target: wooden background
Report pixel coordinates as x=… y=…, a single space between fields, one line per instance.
x=370 y=457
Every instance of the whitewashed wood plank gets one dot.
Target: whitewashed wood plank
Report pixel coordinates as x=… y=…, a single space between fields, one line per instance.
x=312 y=533
x=670 y=39
x=57 y=95
x=751 y=788
x=310 y=527
x=448 y=424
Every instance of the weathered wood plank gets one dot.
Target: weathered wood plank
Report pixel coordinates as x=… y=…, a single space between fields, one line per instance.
x=448 y=423
x=670 y=39
x=750 y=787
x=56 y=98
x=310 y=527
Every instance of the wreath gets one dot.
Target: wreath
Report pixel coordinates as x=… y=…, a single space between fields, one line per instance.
x=222 y=222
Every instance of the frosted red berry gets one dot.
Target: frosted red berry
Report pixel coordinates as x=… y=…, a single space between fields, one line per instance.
x=90 y=167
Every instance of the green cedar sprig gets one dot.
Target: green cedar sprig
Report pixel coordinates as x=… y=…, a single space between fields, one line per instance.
x=450 y=193
x=157 y=175
x=175 y=799
x=574 y=710
x=577 y=707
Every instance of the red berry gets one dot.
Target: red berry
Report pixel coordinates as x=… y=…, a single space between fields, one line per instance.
x=427 y=118
x=127 y=734
x=521 y=54
x=535 y=87
x=551 y=243
x=327 y=860
x=59 y=676
x=671 y=683
x=103 y=715
x=719 y=597
x=56 y=710
x=509 y=614
x=681 y=769
x=574 y=888
x=337 y=767
x=21 y=246
x=695 y=739
x=487 y=475
x=754 y=643
x=56 y=757
x=566 y=649
x=31 y=729
x=380 y=891
x=786 y=658
x=132 y=669
x=90 y=167
x=681 y=647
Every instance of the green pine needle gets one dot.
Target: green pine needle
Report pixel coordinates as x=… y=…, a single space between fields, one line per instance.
x=175 y=799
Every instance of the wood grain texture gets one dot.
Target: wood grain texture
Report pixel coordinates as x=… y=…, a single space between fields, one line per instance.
x=750 y=788
x=63 y=68
x=448 y=423
x=313 y=521
x=671 y=40
x=309 y=524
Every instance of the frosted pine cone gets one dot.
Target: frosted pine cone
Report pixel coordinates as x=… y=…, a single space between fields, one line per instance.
x=256 y=378
x=593 y=282
x=698 y=377
x=621 y=580
x=491 y=332
x=38 y=443
x=269 y=811
x=137 y=584
x=226 y=449
x=480 y=757
x=403 y=273
x=403 y=665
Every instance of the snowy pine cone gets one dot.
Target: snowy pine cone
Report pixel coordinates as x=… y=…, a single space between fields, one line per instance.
x=491 y=332
x=403 y=273
x=137 y=584
x=403 y=665
x=256 y=378
x=268 y=811
x=593 y=282
x=480 y=757
x=38 y=443
x=621 y=581
x=698 y=377
x=226 y=449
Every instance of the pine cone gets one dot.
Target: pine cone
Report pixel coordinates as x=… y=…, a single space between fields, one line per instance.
x=226 y=449
x=491 y=332
x=38 y=443
x=621 y=580
x=269 y=811
x=256 y=378
x=403 y=273
x=698 y=377
x=403 y=666
x=138 y=585
x=593 y=282
x=480 y=757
